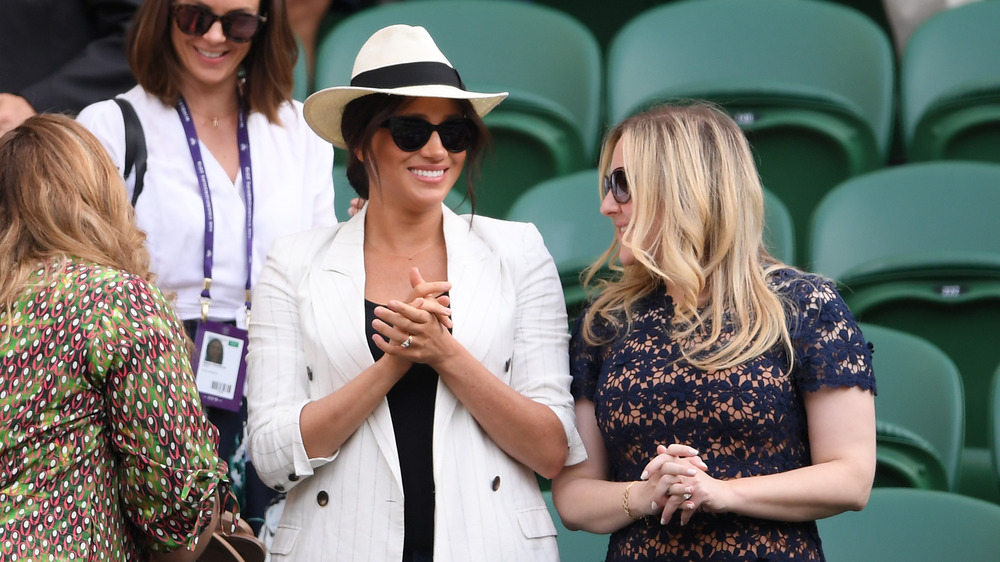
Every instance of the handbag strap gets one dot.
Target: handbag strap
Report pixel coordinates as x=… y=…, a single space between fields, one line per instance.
x=135 y=146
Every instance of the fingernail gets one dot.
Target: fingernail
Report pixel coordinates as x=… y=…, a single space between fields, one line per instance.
x=654 y=506
x=694 y=451
x=645 y=475
x=691 y=472
x=663 y=521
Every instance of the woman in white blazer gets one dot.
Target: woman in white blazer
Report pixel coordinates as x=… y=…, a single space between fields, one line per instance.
x=408 y=368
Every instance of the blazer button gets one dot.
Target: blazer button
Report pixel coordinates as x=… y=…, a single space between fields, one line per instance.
x=506 y=366
x=309 y=373
x=496 y=483
x=293 y=477
x=322 y=499
x=279 y=488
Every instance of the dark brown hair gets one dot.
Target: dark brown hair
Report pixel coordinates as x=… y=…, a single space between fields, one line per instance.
x=268 y=63
x=364 y=116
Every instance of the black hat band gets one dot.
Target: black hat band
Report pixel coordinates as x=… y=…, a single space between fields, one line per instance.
x=409 y=74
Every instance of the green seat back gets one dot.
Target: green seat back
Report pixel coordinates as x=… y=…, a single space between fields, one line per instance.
x=994 y=429
x=548 y=61
x=567 y=212
x=917 y=248
x=300 y=75
x=816 y=108
x=915 y=526
x=950 y=85
x=576 y=546
x=919 y=407
x=779 y=228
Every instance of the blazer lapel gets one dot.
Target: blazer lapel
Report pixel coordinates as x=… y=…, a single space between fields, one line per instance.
x=474 y=273
x=337 y=286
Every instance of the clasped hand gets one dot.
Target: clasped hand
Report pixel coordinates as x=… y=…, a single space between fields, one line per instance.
x=416 y=329
x=676 y=479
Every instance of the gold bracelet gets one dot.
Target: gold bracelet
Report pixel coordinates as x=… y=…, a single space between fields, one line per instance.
x=625 y=503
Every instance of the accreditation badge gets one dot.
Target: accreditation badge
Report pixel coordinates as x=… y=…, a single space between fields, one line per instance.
x=220 y=368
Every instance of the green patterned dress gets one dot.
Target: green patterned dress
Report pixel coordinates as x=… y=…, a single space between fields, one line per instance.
x=105 y=453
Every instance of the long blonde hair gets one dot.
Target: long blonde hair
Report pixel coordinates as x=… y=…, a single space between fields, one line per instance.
x=696 y=227
x=61 y=197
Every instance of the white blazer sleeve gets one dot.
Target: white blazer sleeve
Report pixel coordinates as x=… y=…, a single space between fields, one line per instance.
x=278 y=381
x=540 y=361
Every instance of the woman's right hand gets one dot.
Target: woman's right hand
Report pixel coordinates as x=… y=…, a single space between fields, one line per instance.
x=666 y=474
x=432 y=297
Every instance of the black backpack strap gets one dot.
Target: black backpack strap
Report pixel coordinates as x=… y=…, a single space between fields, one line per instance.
x=135 y=146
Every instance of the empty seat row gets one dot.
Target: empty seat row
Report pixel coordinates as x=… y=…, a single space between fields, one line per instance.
x=812 y=83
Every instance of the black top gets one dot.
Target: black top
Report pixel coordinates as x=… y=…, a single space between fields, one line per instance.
x=411 y=404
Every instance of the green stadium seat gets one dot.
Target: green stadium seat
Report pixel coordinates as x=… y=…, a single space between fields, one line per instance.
x=779 y=228
x=950 y=86
x=919 y=409
x=567 y=212
x=300 y=75
x=917 y=248
x=913 y=525
x=811 y=84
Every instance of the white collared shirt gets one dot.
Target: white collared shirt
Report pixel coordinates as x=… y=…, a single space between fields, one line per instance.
x=293 y=191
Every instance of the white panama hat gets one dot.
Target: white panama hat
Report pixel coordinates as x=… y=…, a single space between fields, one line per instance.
x=401 y=60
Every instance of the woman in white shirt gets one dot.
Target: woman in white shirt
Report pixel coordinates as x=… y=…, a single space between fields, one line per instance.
x=214 y=94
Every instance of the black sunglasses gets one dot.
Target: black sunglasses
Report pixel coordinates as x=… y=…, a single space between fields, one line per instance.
x=616 y=183
x=196 y=20
x=412 y=133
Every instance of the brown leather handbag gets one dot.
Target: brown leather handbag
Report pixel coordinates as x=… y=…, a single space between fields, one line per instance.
x=239 y=546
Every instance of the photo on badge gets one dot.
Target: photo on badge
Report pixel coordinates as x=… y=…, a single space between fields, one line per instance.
x=220 y=366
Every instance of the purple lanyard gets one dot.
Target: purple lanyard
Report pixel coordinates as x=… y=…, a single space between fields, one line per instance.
x=243 y=139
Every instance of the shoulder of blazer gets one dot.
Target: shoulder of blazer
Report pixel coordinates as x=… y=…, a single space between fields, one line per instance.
x=507 y=239
x=301 y=249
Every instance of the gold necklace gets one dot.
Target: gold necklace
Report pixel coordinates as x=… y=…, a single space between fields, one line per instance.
x=215 y=120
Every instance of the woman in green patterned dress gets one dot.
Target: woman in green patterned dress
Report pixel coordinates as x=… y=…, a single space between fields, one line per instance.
x=105 y=453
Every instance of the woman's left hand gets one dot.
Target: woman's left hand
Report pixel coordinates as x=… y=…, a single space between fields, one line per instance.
x=688 y=493
x=413 y=331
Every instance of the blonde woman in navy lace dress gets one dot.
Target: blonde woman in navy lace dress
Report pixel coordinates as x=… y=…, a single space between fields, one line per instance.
x=726 y=400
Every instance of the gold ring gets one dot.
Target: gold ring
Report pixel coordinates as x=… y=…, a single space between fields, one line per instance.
x=409 y=340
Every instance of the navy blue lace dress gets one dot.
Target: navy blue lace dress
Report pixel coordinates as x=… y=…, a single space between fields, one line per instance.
x=745 y=421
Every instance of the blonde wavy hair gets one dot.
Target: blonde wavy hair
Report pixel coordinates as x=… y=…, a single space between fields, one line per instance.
x=61 y=197
x=697 y=228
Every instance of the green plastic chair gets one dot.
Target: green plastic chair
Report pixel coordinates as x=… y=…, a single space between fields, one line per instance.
x=779 y=228
x=548 y=61
x=576 y=546
x=995 y=426
x=811 y=84
x=904 y=524
x=950 y=86
x=567 y=212
x=300 y=75
x=919 y=409
x=917 y=248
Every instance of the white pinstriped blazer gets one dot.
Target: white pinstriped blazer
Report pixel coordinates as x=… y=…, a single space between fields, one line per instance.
x=307 y=338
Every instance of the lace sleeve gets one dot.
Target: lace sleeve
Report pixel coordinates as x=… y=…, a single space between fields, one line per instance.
x=829 y=347
x=585 y=363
